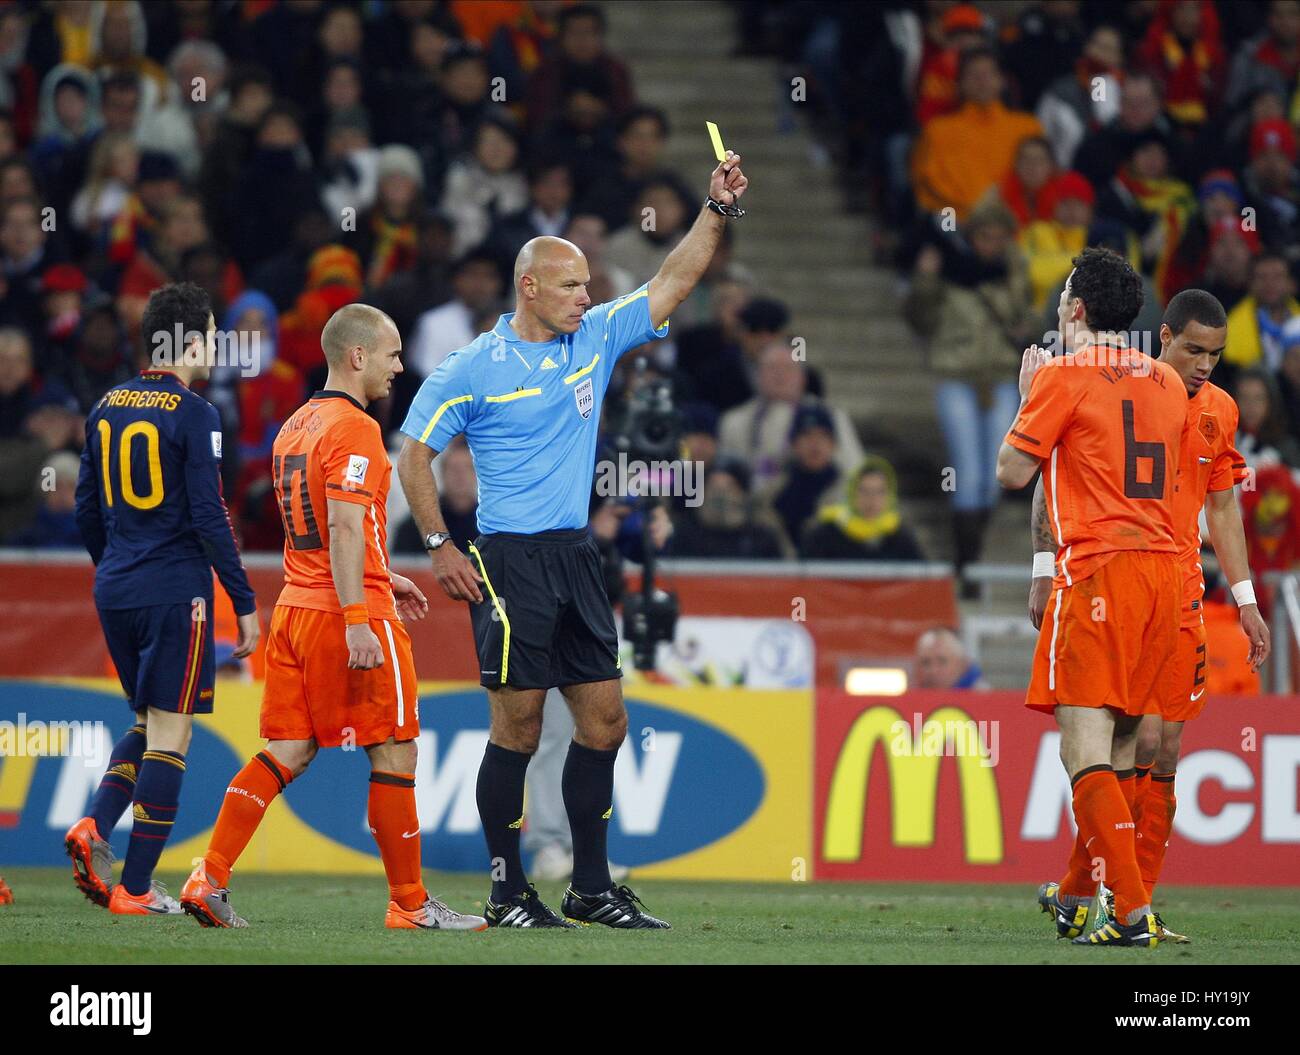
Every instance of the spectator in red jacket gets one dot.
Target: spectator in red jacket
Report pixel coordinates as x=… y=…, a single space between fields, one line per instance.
x=947 y=35
x=1182 y=48
x=333 y=280
x=1024 y=189
x=1270 y=62
x=266 y=400
x=183 y=228
x=1271 y=514
x=581 y=50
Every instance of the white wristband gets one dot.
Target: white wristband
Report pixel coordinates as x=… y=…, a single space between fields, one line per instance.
x=1244 y=593
x=1044 y=565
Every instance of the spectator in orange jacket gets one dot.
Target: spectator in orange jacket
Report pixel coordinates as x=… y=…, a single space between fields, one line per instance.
x=960 y=155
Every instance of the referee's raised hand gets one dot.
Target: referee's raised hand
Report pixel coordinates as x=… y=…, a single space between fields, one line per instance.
x=728 y=183
x=456 y=575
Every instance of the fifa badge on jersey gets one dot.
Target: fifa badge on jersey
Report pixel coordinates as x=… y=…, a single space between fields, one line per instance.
x=585 y=396
x=356 y=474
x=216 y=445
x=1209 y=428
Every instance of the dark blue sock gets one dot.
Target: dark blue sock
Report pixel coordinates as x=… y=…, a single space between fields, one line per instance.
x=501 y=809
x=157 y=792
x=117 y=789
x=588 y=786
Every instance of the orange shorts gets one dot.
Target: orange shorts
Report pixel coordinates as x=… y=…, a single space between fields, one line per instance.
x=1108 y=640
x=1180 y=695
x=311 y=694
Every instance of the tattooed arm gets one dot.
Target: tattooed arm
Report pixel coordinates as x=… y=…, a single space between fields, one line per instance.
x=1040 y=528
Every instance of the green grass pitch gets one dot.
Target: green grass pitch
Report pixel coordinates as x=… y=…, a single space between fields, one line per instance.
x=339 y=919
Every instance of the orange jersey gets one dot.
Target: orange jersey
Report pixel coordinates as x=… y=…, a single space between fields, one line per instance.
x=1107 y=424
x=1209 y=462
x=330 y=448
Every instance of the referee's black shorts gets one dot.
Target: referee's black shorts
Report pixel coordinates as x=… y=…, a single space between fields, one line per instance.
x=545 y=619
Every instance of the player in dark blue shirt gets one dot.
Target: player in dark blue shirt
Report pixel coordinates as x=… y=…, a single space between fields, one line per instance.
x=150 y=511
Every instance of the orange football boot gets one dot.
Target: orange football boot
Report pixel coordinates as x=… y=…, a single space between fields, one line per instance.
x=154 y=902
x=207 y=902
x=92 y=861
x=432 y=915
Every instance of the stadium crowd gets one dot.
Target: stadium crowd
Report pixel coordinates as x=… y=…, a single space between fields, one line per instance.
x=1002 y=138
x=294 y=157
x=297 y=156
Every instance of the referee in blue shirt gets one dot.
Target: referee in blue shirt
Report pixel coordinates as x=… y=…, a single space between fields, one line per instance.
x=527 y=396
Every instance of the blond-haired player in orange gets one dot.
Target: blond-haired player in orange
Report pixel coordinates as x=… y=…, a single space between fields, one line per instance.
x=338 y=660
x=1103 y=423
x=1193 y=334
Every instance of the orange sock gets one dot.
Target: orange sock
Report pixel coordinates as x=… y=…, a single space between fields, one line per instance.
x=1140 y=785
x=1127 y=787
x=1156 y=824
x=242 y=810
x=392 y=819
x=1106 y=828
x=1079 y=885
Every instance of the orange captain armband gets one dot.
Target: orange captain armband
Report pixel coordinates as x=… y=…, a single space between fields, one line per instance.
x=354 y=614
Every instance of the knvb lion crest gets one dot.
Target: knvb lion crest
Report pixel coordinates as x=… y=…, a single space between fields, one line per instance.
x=1209 y=428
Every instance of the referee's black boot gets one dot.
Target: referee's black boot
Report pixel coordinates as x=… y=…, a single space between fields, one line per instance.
x=525 y=909
x=616 y=907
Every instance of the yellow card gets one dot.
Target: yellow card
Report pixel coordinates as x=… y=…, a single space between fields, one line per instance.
x=718 y=148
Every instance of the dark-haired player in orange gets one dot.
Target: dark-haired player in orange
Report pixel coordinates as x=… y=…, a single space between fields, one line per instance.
x=338 y=660
x=1103 y=423
x=1192 y=339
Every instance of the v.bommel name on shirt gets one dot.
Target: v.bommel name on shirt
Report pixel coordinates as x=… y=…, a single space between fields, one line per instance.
x=1140 y=367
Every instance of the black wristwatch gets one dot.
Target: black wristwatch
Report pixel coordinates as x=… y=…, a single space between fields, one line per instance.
x=434 y=540
x=732 y=212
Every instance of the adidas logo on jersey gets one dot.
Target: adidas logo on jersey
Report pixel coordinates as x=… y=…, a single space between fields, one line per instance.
x=549 y=364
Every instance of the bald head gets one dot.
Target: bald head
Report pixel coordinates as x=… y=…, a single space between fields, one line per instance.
x=543 y=253
x=364 y=352
x=941 y=659
x=352 y=326
x=551 y=277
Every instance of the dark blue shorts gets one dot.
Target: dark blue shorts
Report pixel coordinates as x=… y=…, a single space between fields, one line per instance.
x=164 y=655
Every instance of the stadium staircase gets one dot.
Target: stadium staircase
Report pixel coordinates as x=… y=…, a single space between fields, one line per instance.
x=805 y=248
x=801 y=244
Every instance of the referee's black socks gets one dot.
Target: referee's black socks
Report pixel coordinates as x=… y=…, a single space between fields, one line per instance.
x=501 y=809
x=588 y=785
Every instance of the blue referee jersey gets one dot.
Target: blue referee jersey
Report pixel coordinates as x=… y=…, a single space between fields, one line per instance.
x=531 y=412
x=149 y=502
